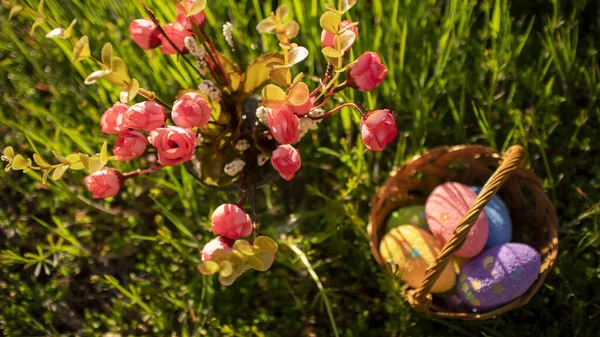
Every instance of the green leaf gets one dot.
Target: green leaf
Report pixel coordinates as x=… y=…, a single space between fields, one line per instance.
x=40 y=161
x=59 y=171
x=19 y=163
x=266 y=243
x=95 y=76
x=81 y=51
x=69 y=31
x=104 y=153
x=36 y=24
x=9 y=153
x=208 y=267
x=243 y=247
x=107 y=55
x=197 y=7
x=496 y=16
x=120 y=74
x=13 y=11
x=40 y=7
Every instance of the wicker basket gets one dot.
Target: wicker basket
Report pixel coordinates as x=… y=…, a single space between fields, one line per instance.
x=533 y=215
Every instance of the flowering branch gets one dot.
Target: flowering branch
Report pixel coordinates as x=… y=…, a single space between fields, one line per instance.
x=138 y=172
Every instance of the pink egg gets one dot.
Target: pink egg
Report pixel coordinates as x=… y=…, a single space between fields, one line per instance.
x=445 y=208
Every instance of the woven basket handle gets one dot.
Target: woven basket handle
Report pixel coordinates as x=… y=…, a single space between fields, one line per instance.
x=419 y=298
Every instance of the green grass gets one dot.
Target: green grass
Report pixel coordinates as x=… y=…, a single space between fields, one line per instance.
x=489 y=72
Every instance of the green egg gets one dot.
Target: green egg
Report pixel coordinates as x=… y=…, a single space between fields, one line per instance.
x=409 y=215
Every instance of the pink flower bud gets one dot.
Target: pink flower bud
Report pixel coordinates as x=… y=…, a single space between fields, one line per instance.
x=144 y=33
x=231 y=221
x=367 y=73
x=328 y=39
x=145 y=116
x=130 y=144
x=175 y=145
x=191 y=110
x=286 y=160
x=284 y=125
x=112 y=119
x=378 y=128
x=304 y=108
x=104 y=183
x=183 y=9
x=177 y=33
x=220 y=242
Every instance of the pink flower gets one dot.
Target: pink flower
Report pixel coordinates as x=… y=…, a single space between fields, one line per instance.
x=378 y=128
x=231 y=221
x=144 y=33
x=286 y=160
x=327 y=38
x=367 y=73
x=284 y=125
x=112 y=119
x=145 y=116
x=220 y=242
x=177 y=33
x=104 y=183
x=175 y=145
x=191 y=110
x=130 y=144
x=183 y=9
x=304 y=108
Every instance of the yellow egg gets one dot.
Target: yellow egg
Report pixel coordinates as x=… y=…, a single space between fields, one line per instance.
x=412 y=250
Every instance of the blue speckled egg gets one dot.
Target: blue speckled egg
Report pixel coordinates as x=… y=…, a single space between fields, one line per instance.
x=498 y=276
x=500 y=225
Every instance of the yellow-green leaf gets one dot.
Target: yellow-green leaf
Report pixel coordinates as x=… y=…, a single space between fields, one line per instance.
x=40 y=7
x=95 y=165
x=13 y=11
x=225 y=269
x=281 y=75
x=107 y=55
x=346 y=39
x=220 y=255
x=291 y=29
x=298 y=77
x=236 y=258
x=36 y=24
x=104 y=153
x=19 y=163
x=243 y=247
x=96 y=75
x=75 y=160
x=81 y=51
x=9 y=153
x=45 y=176
x=59 y=171
x=85 y=160
x=227 y=281
x=257 y=74
x=256 y=263
x=331 y=52
x=61 y=158
x=281 y=12
x=40 y=161
x=69 y=31
x=347 y=4
x=330 y=21
x=197 y=7
x=298 y=94
x=266 y=258
x=266 y=243
x=208 y=267
x=296 y=55
x=130 y=91
x=120 y=73
x=266 y=25
x=273 y=96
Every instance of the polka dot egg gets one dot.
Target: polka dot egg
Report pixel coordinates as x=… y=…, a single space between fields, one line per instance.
x=445 y=207
x=412 y=250
x=500 y=225
x=498 y=276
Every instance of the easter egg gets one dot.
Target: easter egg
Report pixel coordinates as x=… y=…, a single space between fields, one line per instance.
x=458 y=262
x=412 y=250
x=498 y=275
x=445 y=207
x=409 y=215
x=500 y=225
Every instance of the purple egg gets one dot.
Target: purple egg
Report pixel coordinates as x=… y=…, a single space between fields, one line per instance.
x=498 y=275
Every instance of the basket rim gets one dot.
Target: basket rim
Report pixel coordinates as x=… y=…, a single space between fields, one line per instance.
x=548 y=251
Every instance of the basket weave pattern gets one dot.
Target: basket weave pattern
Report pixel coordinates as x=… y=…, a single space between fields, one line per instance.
x=534 y=218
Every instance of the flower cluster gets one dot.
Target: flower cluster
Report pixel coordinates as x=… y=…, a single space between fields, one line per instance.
x=208 y=128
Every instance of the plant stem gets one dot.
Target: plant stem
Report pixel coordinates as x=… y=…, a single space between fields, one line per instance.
x=152 y=96
x=356 y=107
x=138 y=172
x=213 y=51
